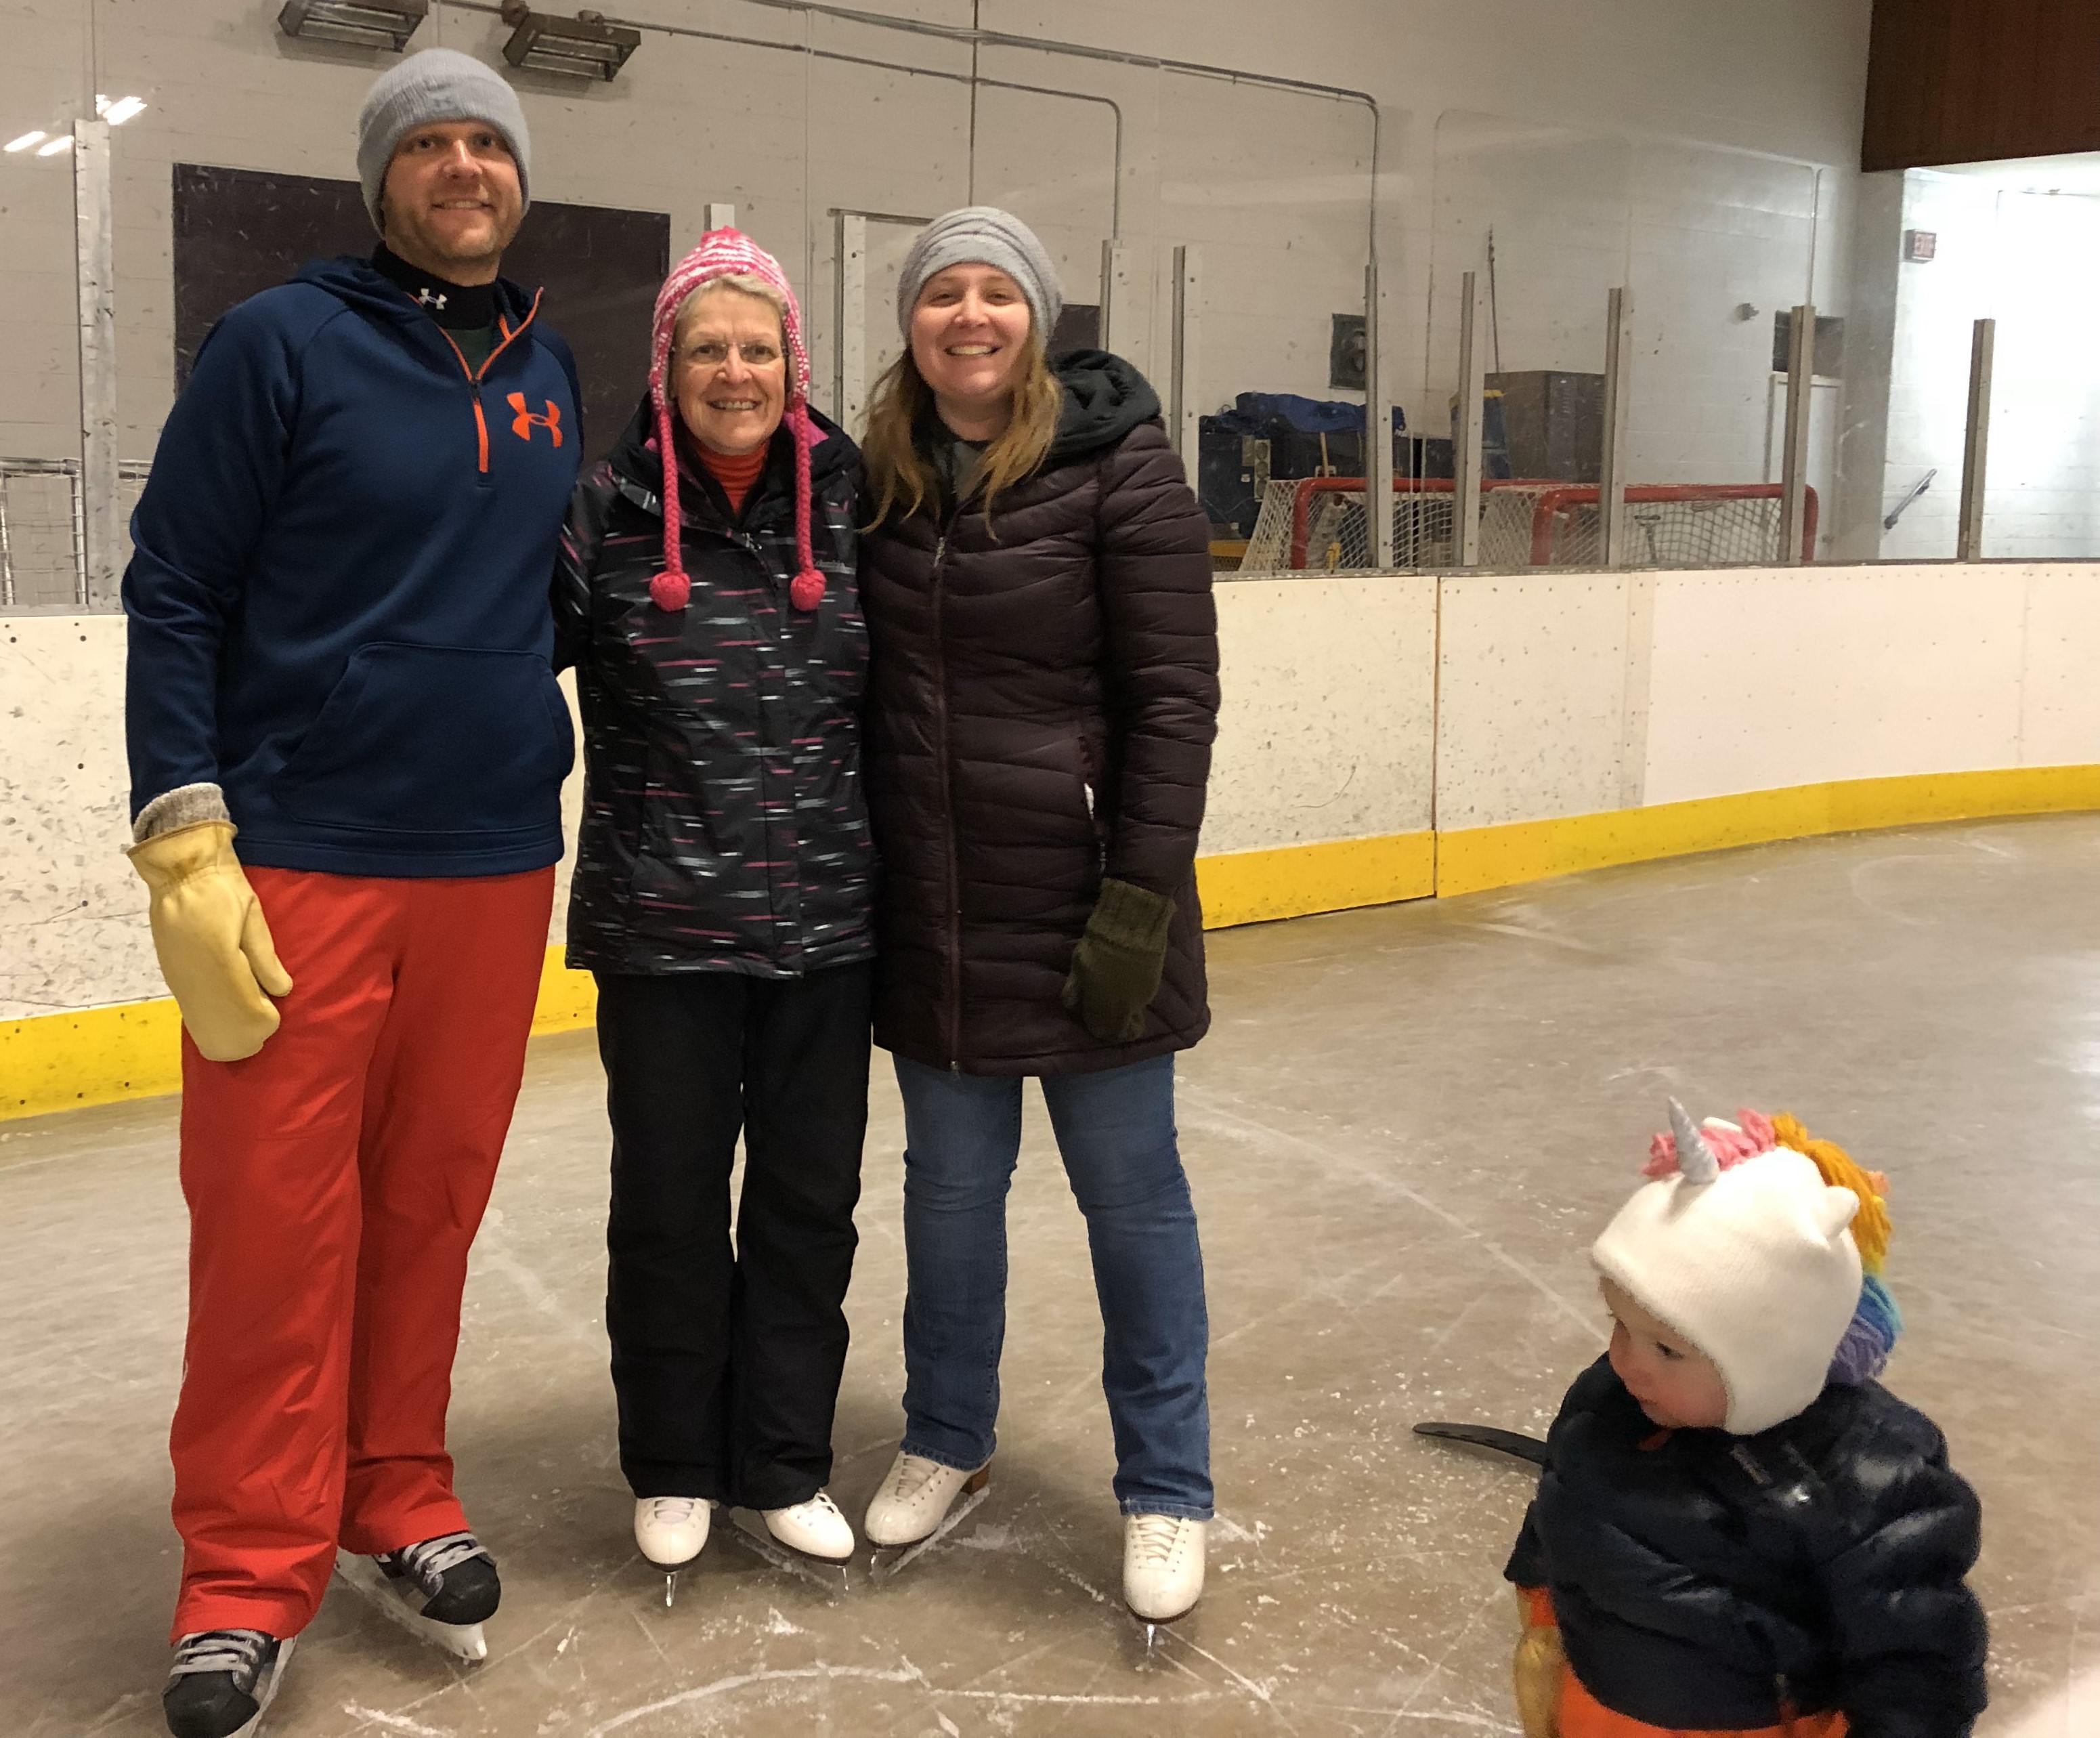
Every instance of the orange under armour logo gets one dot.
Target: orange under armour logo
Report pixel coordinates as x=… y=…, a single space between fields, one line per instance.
x=525 y=421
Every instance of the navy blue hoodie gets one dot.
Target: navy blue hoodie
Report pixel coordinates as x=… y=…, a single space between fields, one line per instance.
x=338 y=591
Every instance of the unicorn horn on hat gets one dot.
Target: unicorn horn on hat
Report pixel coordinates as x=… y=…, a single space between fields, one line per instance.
x=1695 y=1160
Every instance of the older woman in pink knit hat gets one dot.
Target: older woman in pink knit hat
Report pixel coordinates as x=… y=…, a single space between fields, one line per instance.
x=706 y=595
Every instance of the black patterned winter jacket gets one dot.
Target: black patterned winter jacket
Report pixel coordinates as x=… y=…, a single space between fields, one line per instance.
x=724 y=828
x=1706 y=1582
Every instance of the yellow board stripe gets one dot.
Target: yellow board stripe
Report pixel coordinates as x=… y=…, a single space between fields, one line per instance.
x=95 y=1056
x=1256 y=887
x=99 y=1055
x=1471 y=859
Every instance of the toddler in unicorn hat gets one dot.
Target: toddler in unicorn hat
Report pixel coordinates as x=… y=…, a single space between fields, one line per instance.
x=1739 y=1529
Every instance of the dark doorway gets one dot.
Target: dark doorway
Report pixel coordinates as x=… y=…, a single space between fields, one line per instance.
x=237 y=231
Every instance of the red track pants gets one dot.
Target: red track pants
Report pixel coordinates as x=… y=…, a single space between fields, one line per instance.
x=335 y=1181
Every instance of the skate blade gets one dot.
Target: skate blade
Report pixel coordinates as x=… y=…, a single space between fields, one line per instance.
x=265 y=1692
x=463 y=1641
x=890 y=1559
x=671 y=1572
x=827 y=1572
x=1156 y=1626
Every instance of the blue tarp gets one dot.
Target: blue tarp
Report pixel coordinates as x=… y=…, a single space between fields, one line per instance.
x=1255 y=413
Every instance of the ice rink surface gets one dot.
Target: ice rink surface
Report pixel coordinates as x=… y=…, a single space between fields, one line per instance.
x=1404 y=1129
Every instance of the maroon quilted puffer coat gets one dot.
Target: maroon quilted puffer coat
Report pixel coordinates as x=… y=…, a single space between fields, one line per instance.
x=1043 y=694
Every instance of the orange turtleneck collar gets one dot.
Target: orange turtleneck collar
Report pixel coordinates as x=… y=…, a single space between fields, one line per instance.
x=736 y=474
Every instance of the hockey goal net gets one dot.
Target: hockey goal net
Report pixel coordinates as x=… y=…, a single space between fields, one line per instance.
x=1321 y=523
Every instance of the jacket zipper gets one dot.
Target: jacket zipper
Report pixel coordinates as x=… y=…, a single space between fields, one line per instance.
x=743 y=540
x=954 y=1033
x=954 y=1021
x=794 y=947
x=474 y=377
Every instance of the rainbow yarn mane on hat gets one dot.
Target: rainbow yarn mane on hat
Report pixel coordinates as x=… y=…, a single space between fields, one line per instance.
x=1863 y=1352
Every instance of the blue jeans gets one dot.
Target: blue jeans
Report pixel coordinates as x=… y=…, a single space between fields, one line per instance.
x=1115 y=1132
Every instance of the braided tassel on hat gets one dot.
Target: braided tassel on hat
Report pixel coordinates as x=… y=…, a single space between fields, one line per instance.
x=726 y=253
x=807 y=591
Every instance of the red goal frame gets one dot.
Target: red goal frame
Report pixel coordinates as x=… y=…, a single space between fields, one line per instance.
x=1554 y=499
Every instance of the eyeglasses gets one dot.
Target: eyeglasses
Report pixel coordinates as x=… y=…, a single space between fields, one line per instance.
x=707 y=353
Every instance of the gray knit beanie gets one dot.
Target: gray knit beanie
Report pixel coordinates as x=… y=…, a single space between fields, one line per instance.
x=439 y=84
x=983 y=236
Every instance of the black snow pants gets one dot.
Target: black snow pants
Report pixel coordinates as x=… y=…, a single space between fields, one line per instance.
x=726 y=1363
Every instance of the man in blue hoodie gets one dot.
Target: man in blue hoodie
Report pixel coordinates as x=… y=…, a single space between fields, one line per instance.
x=347 y=753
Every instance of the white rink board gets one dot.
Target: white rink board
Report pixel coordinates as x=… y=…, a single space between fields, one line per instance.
x=73 y=914
x=2060 y=694
x=1327 y=730
x=1750 y=680
x=1760 y=680
x=1531 y=697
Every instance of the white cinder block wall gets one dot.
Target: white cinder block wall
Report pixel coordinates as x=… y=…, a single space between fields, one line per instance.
x=1701 y=154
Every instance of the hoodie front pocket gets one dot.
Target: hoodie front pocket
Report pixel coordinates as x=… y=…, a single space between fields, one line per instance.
x=434 y=739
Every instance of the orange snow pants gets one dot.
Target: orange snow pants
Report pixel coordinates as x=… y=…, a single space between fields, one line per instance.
x=1580 y=1714
x=335 y=1181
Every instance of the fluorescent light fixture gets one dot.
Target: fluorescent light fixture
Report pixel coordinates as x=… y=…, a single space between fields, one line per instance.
x=584 y=46
x=124 y=109
x=35 y=136
x=51 y=148
x=368 y=23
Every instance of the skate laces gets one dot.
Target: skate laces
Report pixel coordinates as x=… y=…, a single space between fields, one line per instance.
x=914 y=1472
x=821 y=1503
x=239 y=1652
x=1155 y=1539
x=675 y=1511
x=426 y=1562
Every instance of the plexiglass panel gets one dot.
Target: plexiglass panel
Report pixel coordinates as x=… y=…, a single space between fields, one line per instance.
x=1538 y=216
x=41 y=79
x=1261 y=234
x=1215 y=230
x=1724 y=247
x=2043 y=499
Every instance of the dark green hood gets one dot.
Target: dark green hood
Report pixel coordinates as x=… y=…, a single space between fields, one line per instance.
x=1104 y=398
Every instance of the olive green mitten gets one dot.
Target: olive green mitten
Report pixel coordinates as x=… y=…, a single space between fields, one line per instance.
x=1116 y=966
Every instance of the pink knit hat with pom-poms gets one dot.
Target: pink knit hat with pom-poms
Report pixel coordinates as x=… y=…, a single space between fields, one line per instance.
x=730 y=253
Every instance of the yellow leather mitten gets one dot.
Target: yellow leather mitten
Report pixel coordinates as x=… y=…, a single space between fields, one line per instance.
x=1541 y=1667
x=213 y=945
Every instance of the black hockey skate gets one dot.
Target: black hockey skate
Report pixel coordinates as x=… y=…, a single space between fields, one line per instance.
x=442 y=1589
x=222 y=1681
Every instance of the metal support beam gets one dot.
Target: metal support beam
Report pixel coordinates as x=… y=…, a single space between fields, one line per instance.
x=1794 y=469
x=1187 y=405
x=849 y=321
x=101 y=524
x=1618 y=398
x=1378 y=432
x=1472 y=389
x=1114 y=311
x=720 y=216
x=1976 y=449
